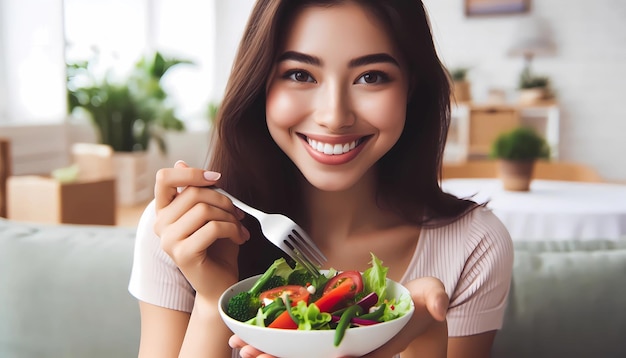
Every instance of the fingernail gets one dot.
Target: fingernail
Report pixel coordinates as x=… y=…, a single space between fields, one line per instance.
x=211 y=176
x=180 y=162
x=240 y=213
x=246 y=233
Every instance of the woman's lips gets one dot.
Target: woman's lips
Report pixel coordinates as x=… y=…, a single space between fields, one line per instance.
x=334 y=151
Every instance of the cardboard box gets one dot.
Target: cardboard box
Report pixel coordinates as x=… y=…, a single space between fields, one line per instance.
x=46 y=200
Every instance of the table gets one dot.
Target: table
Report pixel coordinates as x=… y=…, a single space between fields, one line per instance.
x=551 y=210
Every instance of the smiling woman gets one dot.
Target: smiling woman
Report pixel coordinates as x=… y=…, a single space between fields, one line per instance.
x=335 y=115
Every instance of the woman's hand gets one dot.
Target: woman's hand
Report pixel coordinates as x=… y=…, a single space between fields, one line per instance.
x=199 y=228
x=431 y=304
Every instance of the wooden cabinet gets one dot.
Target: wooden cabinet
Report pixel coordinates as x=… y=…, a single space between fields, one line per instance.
x=474 y=127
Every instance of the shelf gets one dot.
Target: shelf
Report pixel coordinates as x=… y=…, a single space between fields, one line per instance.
x=473 y=127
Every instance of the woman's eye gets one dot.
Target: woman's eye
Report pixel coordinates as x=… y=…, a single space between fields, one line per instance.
x=299 y=76
x=372 y=78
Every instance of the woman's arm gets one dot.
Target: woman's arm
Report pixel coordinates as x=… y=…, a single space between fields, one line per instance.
x=162 y=331
x=475 y=346
x=199 y=229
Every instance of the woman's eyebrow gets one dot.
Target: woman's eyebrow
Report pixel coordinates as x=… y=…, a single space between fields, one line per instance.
x=359 y=61
x=300 y=57
x=373 y=58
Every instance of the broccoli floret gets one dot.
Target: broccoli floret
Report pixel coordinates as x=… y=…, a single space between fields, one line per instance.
x=273 y=282
x=244 y=305
x=301 y=278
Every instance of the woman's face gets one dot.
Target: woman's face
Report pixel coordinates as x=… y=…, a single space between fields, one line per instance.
x=336 y=102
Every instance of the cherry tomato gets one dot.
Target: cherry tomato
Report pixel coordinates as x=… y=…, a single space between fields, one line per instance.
x=294 y=292
x=346 y=276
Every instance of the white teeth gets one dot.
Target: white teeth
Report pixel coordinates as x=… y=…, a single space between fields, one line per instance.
x=331 y=149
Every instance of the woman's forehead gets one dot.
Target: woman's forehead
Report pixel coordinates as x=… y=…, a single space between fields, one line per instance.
x=346 y=29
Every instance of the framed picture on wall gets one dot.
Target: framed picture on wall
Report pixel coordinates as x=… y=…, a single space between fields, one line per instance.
x=495 y=7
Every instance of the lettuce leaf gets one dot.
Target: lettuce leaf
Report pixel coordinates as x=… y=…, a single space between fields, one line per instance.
x=310 y=317
x=375 y=279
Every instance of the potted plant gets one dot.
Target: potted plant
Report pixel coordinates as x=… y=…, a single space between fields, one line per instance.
x=461 y=89
x=516 y=152
x=533 y=88
x=128 y=113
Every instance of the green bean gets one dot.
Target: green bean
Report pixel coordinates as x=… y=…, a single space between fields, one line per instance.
x=344 y=322
x=375 y=316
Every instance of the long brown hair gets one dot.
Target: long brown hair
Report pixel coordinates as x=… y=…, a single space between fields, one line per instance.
x=255 y=169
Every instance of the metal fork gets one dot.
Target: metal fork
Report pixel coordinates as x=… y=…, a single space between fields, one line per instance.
x=286 y=234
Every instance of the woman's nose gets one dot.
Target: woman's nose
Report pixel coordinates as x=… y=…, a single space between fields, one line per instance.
x=335 y=110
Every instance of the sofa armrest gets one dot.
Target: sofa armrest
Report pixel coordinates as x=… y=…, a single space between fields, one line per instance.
x=566 y=300
x=64 y=291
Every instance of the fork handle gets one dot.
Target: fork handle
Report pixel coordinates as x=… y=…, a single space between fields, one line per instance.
x=241 y=205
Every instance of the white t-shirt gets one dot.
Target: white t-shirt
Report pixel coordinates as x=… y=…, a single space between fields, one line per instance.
x=472 y=256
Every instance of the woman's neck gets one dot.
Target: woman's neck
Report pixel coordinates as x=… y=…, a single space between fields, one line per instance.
x=344 y=214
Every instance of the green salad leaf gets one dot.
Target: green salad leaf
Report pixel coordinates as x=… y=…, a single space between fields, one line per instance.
x=310 y=317
x=375 y=279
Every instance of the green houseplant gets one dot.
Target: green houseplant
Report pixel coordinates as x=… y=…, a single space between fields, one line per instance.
x=516 y=152
x=461 y=89
x=130 y=112
x=533 y=88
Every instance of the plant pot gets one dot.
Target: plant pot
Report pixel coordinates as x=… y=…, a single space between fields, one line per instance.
x=462 y=91
x=532 y=95
x=516 y=175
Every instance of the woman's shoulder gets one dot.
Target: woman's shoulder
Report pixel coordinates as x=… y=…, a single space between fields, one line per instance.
x=478 y=225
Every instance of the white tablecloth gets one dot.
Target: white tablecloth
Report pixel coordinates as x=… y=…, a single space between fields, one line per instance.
x=551 y=210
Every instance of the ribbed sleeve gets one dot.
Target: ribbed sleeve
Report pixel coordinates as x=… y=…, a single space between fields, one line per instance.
x=155 y=278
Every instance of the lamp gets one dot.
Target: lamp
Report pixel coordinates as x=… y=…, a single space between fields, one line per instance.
x=532 y=38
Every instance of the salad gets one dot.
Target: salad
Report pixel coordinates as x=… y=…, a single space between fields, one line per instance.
x=334 y=300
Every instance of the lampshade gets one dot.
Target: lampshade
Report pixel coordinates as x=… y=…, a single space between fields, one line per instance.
x=532 y=37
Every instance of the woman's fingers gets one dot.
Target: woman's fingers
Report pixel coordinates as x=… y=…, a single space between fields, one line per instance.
x=246 y=351
x=168 y=180
x=204 y=203
x=198 y=228
x=429 y=292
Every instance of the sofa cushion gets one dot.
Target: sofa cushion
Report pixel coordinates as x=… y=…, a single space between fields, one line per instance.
x=64 y=291
x=567 y=300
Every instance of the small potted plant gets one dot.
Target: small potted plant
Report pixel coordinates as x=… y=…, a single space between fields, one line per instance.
x=460 y=85
x=517 y=151
x=533 y=88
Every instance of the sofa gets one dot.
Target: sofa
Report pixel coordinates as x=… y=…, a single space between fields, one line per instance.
x=63 y=293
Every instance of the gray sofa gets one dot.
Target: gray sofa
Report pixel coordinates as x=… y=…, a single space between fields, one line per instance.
x=63 y=293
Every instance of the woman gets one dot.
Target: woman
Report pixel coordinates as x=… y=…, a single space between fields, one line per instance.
x=336 y=115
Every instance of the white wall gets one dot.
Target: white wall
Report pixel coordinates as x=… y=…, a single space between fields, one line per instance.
x=31 y=47
x=588 y=69
x=230 y=22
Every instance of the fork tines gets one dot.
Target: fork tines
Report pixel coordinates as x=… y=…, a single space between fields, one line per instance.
x=304 y=253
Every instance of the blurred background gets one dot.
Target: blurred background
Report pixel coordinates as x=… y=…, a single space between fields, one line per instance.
x=577 y=49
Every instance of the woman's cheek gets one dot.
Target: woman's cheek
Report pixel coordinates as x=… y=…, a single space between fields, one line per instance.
x=385 y=112
x=284 y=109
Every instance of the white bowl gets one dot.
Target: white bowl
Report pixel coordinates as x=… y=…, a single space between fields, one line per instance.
x=287 y=343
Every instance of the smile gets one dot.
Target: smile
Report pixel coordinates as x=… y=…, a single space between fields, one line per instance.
x=333 y=149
